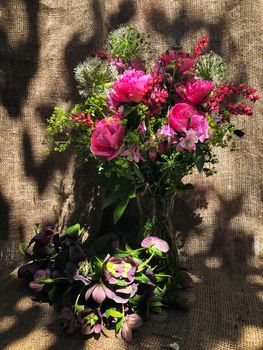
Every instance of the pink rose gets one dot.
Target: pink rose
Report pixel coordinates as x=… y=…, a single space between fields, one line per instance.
x=194 y=90
x=107 y=138
x=183 y=62
x=132 y=86
x=184 y=117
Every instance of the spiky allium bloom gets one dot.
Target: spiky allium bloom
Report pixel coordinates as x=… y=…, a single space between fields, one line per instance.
x=93 y=74
x=211 y=67
x=127 y=43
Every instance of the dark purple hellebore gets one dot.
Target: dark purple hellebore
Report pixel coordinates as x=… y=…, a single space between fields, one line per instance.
x=73 y=274
x=45 y=236
x=91 y=321
x=69 y=319
x=26 y=270
x=39 y=276
x=131 y=322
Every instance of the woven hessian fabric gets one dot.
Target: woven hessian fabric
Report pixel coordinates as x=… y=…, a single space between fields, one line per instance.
x=221 y=220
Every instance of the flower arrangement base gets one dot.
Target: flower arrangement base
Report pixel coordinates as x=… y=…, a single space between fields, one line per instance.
x=155 y=219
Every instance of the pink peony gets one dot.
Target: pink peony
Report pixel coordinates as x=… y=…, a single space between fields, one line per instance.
x=194 y=90
x=107 y=138
x=180 y=115
x=184 y=117
x=132 y=86
x=183 y=62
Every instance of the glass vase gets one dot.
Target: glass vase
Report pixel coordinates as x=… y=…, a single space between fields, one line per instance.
x=155 y=219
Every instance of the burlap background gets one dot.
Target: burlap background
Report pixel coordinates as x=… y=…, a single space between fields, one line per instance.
x=41 y=42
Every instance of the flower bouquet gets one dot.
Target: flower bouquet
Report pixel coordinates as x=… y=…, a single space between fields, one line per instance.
x=148 y=121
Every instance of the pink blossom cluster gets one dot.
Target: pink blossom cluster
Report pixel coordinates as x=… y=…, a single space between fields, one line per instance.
x=172 y=95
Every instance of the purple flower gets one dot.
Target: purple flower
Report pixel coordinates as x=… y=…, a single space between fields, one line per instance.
x=188 y=142
x=91 y=321
x=26 y=270
x=39 y=276
x=69 y=319
x=166 y=132
x=120 y=271
x=155 y=242
x=73 y=274
x=45 y=236
x=131 y=322
x=99 y=293
x=76 y=253
x=133 y=154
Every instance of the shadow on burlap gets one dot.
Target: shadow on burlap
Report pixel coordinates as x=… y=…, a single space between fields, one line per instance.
x=220 y=222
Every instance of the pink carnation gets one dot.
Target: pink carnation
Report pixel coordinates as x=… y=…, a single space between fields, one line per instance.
x=107 y=138
x=132 y=86
x=194 y=90
x=184 y=117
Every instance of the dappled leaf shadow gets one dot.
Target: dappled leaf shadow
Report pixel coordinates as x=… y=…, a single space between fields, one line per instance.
x=18 y=61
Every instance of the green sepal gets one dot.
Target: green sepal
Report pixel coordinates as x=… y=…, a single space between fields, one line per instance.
x=71 y=230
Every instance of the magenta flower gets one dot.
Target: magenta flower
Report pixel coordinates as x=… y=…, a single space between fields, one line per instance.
x=107 y=138
x=132 y=86
x=184 y=117
x=99 y=293
x=194 y=90
x=182 y=61
x=39 y=276
x=91 y=321
x=155 y=242
x=130 y=322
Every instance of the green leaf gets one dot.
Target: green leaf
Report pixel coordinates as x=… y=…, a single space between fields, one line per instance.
x=138 y=172
x=118 y=325
x=113 y=313
x=119 y=210
x=199 y=162
x=52 y=292
x=48 y=281
x=100 y=244
x=22 y=248
x=72 y=229
x=111 y=198
x=142 y=278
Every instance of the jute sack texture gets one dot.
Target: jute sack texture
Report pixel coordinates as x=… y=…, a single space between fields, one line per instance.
x=220 y=221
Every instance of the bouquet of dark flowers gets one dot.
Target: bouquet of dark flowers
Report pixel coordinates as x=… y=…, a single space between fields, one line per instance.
x=148 y=122
x=100 y=285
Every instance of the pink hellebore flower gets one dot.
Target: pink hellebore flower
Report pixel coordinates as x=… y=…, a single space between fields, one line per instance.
x=131 y=322
x=183 y=62
x=133 y=154
x=184 y=117
x=132 y=86
x=194 y=90
x=155 y=242
x=107 y=138
x=188 y=142
x=166 y=132
x=99 y=293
